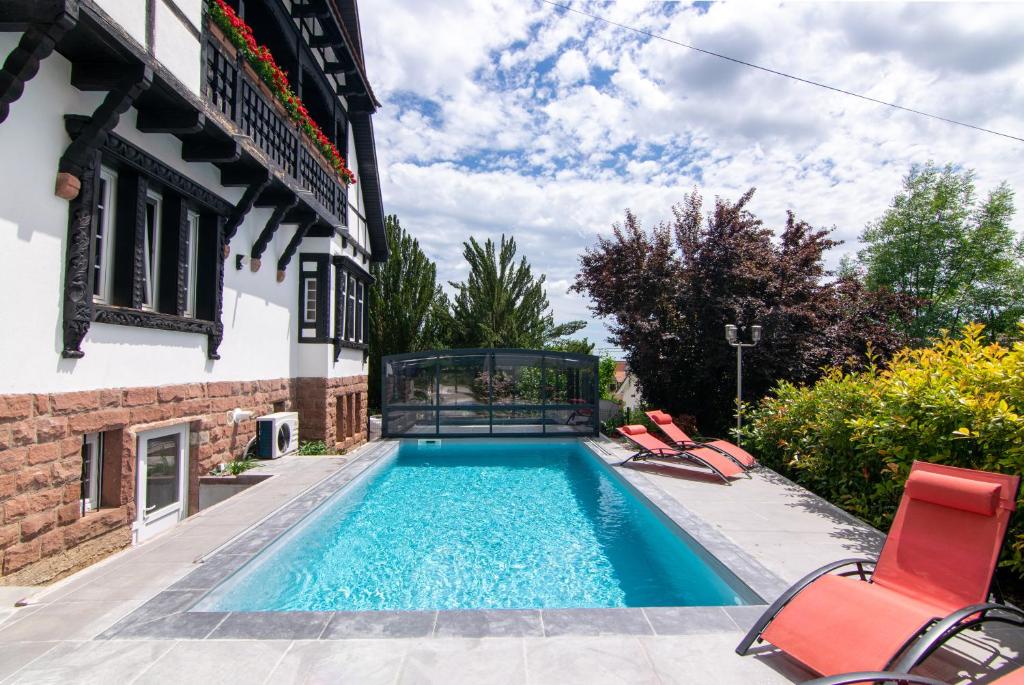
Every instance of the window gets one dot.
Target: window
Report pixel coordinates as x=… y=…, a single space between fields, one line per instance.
x=92 y=457
x=309 y=300
x=359 y=311
x=151 y=252
x=192 y=249
x=352 y=298
x=342 y=299
x=104 y=240
x=350 y=311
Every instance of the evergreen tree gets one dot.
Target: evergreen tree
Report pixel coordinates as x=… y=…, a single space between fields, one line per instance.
x=501 y=303
x=407 y=306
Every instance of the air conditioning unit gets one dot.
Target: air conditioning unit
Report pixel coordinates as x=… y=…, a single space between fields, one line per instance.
x=277 y=434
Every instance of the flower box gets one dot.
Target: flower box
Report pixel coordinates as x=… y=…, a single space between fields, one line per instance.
x=226 y=45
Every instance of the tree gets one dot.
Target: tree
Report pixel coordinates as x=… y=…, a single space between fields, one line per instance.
x=670 y=291
x=407 y=306
x=501 y=303
x=574 y=345
x=606 y=375
x=959 y=259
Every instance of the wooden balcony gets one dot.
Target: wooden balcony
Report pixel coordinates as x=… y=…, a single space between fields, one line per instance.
x=236 y=92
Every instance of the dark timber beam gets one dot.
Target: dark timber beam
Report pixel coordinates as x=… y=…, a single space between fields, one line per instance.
x=273 y=223
x=293 y=245
x=47 y=23
x=245 y=204
x=214 y=151
x=274 y=197
x=346 y=67
x=242 y=175
x=175 y=121
x=348 y=89
x=310 y=8
x=78 y=155
x=325 y=40
x=101 y=76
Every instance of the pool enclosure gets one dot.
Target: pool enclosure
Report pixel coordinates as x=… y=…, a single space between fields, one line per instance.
x=475 y=392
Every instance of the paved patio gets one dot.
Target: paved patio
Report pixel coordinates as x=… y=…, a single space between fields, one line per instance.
x=785 y=529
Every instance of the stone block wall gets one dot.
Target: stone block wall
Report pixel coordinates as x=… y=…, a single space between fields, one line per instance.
x=43 y=533
x=333 y=410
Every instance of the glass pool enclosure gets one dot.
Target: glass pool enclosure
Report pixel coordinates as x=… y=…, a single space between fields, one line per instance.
x=476 y=392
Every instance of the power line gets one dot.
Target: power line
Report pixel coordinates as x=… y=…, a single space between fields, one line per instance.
x=779 y=73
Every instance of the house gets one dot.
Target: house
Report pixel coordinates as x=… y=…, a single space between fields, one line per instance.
x=626 y=391
x=178 y=242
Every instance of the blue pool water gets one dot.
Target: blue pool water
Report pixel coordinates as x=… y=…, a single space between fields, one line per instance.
x=481 y=525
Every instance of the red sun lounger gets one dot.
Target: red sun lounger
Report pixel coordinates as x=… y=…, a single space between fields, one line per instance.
x=931 y=581
x=681 y=440
x=1014 y=677
x=652 y=448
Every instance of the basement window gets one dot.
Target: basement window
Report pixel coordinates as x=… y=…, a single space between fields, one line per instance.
x=92 y=468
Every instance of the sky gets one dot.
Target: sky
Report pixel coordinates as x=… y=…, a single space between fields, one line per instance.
x=515 y=117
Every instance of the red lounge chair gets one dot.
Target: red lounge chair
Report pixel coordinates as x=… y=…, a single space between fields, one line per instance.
x=1014 y=677
x=680 y=439
x=930 y=582
x=652 y=448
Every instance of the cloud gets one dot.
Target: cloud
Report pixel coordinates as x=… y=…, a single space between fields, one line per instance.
x=525 y=119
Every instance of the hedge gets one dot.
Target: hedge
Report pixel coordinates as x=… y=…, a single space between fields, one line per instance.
x=851 y=437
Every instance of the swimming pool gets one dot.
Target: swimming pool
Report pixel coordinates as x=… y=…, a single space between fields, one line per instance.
x=481 y=524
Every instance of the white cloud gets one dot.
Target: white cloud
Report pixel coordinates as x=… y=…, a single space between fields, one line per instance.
x=524 y=119
x=572 y=67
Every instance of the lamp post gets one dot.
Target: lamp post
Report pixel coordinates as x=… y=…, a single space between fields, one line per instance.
x=732 y=336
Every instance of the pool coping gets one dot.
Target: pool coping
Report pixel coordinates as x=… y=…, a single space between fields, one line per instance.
x=169 y=614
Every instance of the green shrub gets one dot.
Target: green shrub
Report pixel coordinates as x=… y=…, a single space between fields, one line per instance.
x=312 y=448
x=851 y=437
x=239 y=465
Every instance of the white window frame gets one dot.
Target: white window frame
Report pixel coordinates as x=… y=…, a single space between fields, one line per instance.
x=343 y=296
x=103 y=280
x=151 y=253
x=350 y=307
x=155 y=521
x=360 y=303
x=90 y=499
x=193 y=252
x=309 y=296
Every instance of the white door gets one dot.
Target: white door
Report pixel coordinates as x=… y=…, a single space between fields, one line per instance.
x=162 y=480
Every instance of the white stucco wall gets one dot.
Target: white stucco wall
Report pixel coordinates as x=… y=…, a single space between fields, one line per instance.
x=130 y=14
x=258 y=312
x=176 y=47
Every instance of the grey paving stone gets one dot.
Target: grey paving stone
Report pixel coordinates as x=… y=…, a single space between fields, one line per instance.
x=366 y=662
x=192 y=625
x=688 y=620
x=595 y=622
x=211 y=572
x=252 y=542
x=67 y=621
x=745 y=616
x=272 y=625
x=92 y=662
x=16 y=655
x=489 y=623
x=374 y=624
x=214 y=661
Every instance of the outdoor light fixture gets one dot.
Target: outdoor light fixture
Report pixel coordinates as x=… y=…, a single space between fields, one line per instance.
x=732 y=336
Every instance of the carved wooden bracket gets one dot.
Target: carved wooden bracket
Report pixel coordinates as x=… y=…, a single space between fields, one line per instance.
x=237 y=215
x=293 y=245
x=78 y=304
x=123 y=84
x=49 y=21
x=269 y=230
